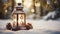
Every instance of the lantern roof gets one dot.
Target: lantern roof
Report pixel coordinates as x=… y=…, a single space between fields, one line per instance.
x=17 y=12
x=18 y=9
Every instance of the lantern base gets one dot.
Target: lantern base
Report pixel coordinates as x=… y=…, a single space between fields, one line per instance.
x=21 y=27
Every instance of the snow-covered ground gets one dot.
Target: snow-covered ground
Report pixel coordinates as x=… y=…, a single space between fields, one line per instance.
x=39 y=27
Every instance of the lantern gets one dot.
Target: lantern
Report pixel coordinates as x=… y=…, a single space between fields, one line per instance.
x=19 y=16
x=19 y=19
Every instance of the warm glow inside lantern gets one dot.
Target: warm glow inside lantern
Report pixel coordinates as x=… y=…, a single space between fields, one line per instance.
x=19 y=17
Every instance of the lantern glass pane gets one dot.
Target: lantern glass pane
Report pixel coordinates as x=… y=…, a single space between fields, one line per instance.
x=14 y=18
x=21 y=18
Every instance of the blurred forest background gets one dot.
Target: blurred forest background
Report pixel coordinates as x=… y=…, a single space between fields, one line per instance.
x=38 y=8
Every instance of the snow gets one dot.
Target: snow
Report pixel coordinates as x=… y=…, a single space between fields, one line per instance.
x=39 y=27
x=50 y=15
